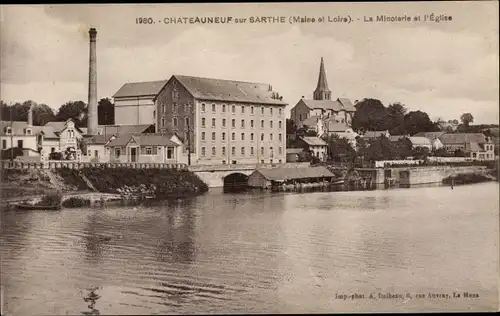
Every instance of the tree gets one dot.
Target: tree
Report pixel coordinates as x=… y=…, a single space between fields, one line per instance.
x=340 y=149
x=105 y=112
x=42 y=113
x=401 y=148
x=76 y=110
x=379 y=149
x=396 y=116
x=420 y=152
x=371 y=115
x=466 y=119
x=418 y=121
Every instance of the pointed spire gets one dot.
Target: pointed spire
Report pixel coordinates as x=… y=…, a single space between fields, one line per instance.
x=322 y=92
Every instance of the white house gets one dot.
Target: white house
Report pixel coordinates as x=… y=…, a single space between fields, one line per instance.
x=19 y=134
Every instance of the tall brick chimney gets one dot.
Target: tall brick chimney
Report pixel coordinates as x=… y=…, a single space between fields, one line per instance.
x=92 y=102
x=30 y=115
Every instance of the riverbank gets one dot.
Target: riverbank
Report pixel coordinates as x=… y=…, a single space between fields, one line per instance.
x=97 y=184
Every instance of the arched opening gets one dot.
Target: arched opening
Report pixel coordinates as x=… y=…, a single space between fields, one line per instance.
x=235 y=182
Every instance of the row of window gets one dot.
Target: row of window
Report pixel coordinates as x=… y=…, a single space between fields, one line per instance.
x=242 y=136
x=175 y=109
x=241 y=152
x=242 y=123
x=8 y=130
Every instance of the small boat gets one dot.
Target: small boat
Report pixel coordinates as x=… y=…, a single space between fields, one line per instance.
x=38 y=207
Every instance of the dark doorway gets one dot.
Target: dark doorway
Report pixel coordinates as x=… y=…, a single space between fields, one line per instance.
x=235 y=182
x=133 y=154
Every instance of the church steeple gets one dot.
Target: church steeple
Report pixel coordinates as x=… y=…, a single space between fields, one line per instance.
x=322 y=92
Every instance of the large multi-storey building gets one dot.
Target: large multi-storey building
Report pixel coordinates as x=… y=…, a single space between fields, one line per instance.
x=228 y=122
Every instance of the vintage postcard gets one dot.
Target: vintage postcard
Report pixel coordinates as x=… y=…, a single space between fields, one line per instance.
x=249 y=158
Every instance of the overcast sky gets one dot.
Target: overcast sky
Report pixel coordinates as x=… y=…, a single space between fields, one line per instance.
x=444 y=68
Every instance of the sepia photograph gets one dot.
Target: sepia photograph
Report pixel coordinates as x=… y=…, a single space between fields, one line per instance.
x=249 y=158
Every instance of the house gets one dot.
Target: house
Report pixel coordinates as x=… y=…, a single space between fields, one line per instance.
x=457 y=141
x=227 y=121
x=433 y=137
x=316 y=145
x=21 y=135
x=134 y=102
x=416 y=141
x=480 y=151
x=342 y=109
x=313 y=123
x=293 y=154
x=96 y=150
x=64 y=137
x=265 y=178
x=332 y=127
x=154 y=148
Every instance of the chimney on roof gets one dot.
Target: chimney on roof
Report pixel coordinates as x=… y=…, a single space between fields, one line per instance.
x=92 y=93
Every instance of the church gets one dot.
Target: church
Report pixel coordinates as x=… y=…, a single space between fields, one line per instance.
x=321 y=111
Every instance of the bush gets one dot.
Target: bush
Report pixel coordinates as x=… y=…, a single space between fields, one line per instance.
x=76 y=202
x=72 y=177
x=51 y=199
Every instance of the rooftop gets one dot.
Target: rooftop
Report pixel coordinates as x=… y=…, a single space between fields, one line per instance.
x=138 y=89
x=143 y=140
x=340 y=104
x=313 y=141
x=460 y=138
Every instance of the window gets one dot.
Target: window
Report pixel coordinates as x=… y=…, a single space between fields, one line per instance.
x=223 y=151
x=271 y=137
x=20 y=143
x=242 y=136
x=28 y=131
x=186 y=108
x=271 y=151
x=203 y=107
x=170 y=152
x=280 y=123
x=280 y=150
x=262 y=150
x=223 y=162
x=118 y=152
x=262 y=124
x=300 y=117
x=251 y=123
x=224 y=108
x=174 y=107
x=251 y=136
x=52 y=149
x=233 y=123
x=163 y=108
x=163 y=121
x=261 y=110
x=242 y=109
x=213 y=108
x=271 y=111
x=233 y=151
x=251 y=151
x=175 y=121
x=251 y=110
x=203 y=151
x=242 y=123
x=280 y=111
x=262 y=137
x=186 y=121
x=223 y=135
x=280 y=138
x=271 y=124
x=202 y=135
x=175 y=94
x=213 y=122
x=213 y=135
x=243 y=151
x=262 y=161
x=233 y=136
x=213 y=151
x=4 y=144
x=89 y=152
x=154 y=114
x=96 y=153
x=149 y=151
x=233 y=109
x=223 y=122
x=202 y=122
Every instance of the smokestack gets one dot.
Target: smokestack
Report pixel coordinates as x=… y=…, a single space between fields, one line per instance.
x=30 y=116
x=92 y=102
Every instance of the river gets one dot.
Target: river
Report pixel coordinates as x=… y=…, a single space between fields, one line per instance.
x=257 y=253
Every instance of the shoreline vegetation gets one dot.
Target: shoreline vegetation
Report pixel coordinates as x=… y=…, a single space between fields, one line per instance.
x=87 y=186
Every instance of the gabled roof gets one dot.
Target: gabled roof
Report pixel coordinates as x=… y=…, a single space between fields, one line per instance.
x=430 y=135
x=313 y=141
x=474 y=147
x=420 y=141
x=17 y=127
x=282 y=174
x=211 y=89
x=123 y=129
x=143 y=140
x=139 y=89
x=336 y=105
x=99 y=139
x=374 y=134
x=460 y=138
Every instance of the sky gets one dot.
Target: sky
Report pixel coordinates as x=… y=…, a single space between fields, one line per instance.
x=444 y=69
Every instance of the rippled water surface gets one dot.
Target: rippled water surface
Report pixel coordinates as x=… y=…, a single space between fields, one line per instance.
x=256 y=253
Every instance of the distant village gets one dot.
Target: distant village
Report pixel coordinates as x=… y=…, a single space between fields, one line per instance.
x=208 y=121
